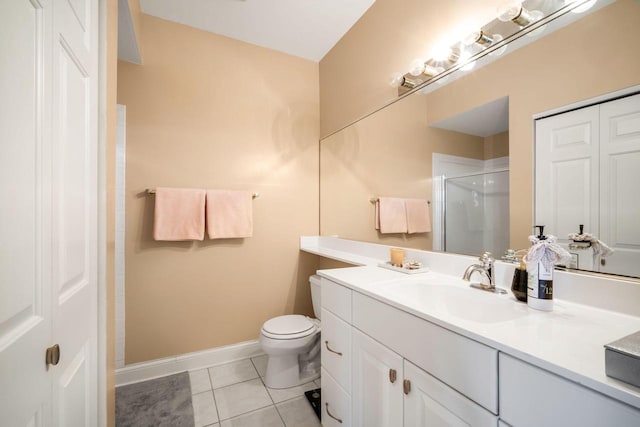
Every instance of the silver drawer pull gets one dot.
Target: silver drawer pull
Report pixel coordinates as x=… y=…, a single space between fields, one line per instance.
x=392 y=375
x=332 y=351
x=329 y=413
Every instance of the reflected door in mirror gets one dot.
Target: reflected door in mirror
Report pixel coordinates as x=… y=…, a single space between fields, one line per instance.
x=587 y=172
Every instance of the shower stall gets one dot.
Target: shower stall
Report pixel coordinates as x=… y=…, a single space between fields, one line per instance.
x=476 y=213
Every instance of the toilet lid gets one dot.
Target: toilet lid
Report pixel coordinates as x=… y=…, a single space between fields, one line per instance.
x=292 y=324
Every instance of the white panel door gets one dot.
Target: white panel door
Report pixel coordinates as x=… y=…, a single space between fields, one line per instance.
x=432 y=403
x=25 y=175
x=48 y=211
x=566 y=165
x=74 y=204
x=620 y=189
x=377 y=383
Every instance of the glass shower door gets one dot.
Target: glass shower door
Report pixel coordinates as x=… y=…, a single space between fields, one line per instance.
x=476 y=215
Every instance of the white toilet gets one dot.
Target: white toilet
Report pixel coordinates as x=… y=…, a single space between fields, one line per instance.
x=292 y=344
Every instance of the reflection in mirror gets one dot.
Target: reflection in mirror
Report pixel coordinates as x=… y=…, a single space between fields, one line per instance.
x=394 y=151
x=587 y=169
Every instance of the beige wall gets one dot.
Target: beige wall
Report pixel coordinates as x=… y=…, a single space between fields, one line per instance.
x=206 y=111
x=354 y=74
x=496 y=146
x=386 y=154
x=576 y=66
x=112 y=91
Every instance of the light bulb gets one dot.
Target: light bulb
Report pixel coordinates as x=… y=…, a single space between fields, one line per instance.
x=441 y=53
x=518 y=15
x=581 y=8
x=417 y=67
x=396 y=80
x=432 y=71
x=509 y=11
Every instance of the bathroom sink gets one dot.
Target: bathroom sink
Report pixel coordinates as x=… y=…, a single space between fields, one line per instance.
x=454 y=297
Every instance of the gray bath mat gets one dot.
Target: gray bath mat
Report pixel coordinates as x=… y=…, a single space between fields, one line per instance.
x=164 y=401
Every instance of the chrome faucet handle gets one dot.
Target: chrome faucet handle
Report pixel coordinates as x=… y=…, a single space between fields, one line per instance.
x=487 y=259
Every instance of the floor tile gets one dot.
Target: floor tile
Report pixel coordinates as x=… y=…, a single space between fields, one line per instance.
x=298 y=413
x=232 y=373
x=280 y=395
x=267 y=417
x=240 y=398
x=261 y=364
x=200 y=381
x=204 y=409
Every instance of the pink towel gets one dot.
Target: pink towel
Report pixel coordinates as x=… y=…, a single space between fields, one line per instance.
x=179 y=214
x=418 y=220
x=229 y=214
x=391 y=215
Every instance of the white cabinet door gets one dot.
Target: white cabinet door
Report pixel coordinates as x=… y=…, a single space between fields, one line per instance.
x=566 y=172
x=619 y=189
x=377 y=383
x=431 y=403
x=532 y=397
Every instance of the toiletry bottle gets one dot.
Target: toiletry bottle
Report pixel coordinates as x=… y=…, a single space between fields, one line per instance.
x=540 y=282
x=519 y=283
x=581 y=251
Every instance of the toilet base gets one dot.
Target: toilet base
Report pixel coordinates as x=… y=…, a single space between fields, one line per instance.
x=287 y=371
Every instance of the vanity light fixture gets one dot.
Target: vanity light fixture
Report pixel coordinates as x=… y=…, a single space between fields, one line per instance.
x=530 y=17
x=581 y=8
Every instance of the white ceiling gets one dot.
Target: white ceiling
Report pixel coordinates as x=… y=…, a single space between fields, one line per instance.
x=304 y=28
x=485 y=120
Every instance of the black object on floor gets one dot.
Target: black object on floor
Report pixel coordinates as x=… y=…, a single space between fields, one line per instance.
x=313 y=396
x=162 y=401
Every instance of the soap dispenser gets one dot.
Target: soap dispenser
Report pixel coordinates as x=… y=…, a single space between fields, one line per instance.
x=540 y=276
x=540 y=260
x=581 y=250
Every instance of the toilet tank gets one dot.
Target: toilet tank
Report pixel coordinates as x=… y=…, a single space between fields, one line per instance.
x=315 y=294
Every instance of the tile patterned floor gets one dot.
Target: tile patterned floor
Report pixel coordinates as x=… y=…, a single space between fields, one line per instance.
x=234 y=395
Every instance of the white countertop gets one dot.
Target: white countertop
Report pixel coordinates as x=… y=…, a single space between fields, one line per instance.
x=567 y=341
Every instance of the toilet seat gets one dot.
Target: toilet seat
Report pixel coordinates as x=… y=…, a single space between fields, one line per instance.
x=289 y=327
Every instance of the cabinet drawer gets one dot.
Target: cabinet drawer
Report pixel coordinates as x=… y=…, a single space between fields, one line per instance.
x=335 y=402
x=466 y=365
x=430 y=402
x=336 y=348
x=336 y=298
x=530 y=396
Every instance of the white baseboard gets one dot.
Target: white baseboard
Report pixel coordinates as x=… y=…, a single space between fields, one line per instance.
x=186 y=362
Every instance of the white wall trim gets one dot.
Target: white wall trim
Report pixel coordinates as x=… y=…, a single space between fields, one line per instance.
x=185 y=362
x=102 y=217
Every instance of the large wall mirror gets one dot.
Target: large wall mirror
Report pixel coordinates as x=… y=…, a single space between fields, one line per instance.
x=467 y=146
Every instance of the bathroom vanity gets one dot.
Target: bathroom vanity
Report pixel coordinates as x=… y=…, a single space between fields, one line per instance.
x=406 y=350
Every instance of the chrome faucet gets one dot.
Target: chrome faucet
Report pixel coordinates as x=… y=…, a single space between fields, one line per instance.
x=485 y=269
